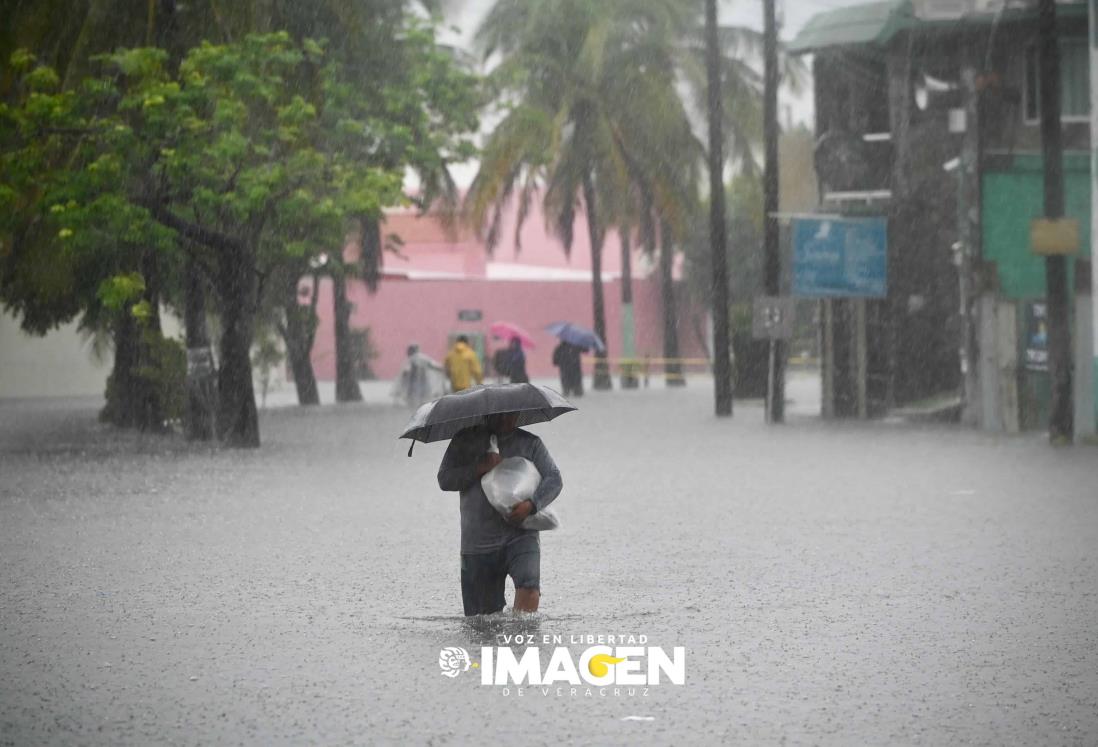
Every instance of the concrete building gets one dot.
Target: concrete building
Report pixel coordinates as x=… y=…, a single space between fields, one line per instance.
x=443 y=283
x=926 y=113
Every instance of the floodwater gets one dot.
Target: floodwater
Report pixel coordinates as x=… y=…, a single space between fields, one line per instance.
x=830 y=583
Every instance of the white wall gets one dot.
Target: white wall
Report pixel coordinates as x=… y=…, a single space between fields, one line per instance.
x=60 y=364
x=57 y=365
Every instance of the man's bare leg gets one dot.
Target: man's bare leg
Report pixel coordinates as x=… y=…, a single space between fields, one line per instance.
x=526 y=600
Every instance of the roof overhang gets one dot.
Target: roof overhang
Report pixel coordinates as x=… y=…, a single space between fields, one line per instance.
x=876 y=23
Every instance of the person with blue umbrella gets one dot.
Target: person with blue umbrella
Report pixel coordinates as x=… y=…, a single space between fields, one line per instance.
x=574 y=340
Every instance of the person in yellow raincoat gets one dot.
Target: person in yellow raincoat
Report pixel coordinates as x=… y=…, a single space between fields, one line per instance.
x=462 y=365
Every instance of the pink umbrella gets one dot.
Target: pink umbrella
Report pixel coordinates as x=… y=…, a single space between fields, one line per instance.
x=508 y=330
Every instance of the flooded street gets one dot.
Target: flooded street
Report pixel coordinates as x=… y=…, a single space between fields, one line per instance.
x=831 y=583
x=217 y=219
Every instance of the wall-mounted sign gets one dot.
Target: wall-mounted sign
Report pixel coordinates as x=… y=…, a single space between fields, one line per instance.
x=1036 y=332
x=840 y=257
x=469 y=315
x=1051 y=237
x=773 y=317
x=200 y=362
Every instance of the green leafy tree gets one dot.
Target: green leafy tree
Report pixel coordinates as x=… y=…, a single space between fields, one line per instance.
x=65 y=38
x=252 y=154
x=67 y=230
x=409 y=82
x=392 y=77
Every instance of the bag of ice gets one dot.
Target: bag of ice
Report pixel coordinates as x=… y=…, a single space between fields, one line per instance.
x=512 y=481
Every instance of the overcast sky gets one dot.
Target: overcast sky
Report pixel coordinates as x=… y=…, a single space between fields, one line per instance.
x=465 y=14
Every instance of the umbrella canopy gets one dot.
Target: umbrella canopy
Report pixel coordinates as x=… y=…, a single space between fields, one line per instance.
x=576 y=335
x=508 y=331
x=445 y=416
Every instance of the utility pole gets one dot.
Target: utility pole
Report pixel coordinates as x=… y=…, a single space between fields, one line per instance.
x=722 y=365
x=776 y=392
x=1091 y=426
x=969 y=172
x=1061 y=414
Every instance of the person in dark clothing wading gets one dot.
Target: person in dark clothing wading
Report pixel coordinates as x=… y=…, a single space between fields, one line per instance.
x=494 y=547
x=516 y=363
x=566 y=357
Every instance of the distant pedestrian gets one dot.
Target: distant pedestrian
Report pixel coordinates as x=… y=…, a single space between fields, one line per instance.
x=500 y=361
x=516 y=363
x=420 y=378
x=566 y=357
x=463 y=366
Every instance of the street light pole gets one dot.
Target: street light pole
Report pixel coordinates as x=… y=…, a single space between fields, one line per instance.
x=775 y=401
x=1061 y=414
x=722 y=365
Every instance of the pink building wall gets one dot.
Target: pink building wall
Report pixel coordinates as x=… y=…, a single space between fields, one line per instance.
x=426 y=311
x=437 y=274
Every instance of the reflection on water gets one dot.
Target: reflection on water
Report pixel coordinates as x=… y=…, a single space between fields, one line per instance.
x=499 y=627
x=486 y=630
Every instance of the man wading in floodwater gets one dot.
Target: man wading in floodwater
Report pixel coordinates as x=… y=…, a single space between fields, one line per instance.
x=494 y=547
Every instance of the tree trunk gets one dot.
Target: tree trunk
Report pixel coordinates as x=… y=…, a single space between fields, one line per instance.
x=98 y=18
x=201 y=404
x=299 y=349
x=347 y=389
x=121 y=408
x=152 y=409
x=722 y=364
x=672 y=366
x=602 y=368
x=134 y=399
x=298 y=333
x=237 y=419
x=628 y=336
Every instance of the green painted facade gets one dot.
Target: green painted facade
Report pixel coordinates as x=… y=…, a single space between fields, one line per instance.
x=1014 y=197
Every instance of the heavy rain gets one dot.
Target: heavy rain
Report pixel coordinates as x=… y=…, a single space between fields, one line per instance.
x=596 y=372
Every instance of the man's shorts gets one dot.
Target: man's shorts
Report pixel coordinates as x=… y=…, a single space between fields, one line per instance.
x=484 y=575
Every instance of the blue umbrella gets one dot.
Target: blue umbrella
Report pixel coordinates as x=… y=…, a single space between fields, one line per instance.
x=581 y=337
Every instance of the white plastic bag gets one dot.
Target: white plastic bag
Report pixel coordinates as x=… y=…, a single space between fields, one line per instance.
x=512 y=481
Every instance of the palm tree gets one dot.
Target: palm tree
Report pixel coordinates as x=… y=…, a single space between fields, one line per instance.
x=570 y=77
x=594 y=119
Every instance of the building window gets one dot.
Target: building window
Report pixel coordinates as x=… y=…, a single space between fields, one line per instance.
x=1074 y=82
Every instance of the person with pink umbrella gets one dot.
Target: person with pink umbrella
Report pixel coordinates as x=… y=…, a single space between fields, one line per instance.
x=516 y=363
x=509 y=331
x=511 y=361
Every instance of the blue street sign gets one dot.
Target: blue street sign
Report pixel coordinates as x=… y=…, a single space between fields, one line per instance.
x=840 y=257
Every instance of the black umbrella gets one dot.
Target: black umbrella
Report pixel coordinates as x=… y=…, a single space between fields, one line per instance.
x=442 y=418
